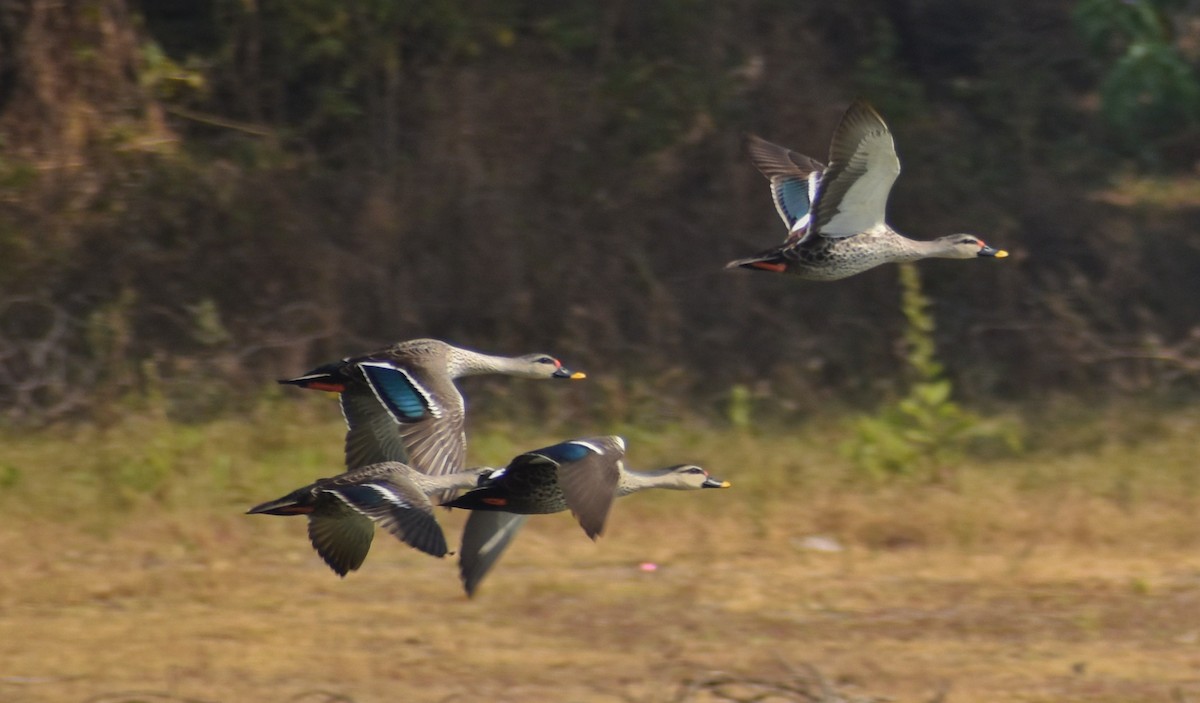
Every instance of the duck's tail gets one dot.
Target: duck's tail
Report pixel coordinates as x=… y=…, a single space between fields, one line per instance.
x=329 y=377
x=298 y=502
x=767 y=261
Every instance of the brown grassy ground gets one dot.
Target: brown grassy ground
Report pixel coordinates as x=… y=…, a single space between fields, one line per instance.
x=1083 y=586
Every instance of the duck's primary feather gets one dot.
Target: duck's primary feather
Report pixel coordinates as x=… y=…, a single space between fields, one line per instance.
x=852 y=196
x=793 y=176
x=485 y=537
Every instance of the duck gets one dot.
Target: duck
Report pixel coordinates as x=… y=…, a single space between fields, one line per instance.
x=583 y=475
x=835 y=214
x=401 y=403
x=343 y=510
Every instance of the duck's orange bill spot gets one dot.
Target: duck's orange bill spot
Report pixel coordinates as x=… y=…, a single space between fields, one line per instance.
x=496 y=501
x=322 y=386
x=768 y=266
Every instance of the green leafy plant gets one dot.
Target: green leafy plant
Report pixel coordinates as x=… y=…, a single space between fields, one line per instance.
x=924 y=433
x=1150 y=90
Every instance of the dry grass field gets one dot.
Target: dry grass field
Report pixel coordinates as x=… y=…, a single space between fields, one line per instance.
x=1070 y=573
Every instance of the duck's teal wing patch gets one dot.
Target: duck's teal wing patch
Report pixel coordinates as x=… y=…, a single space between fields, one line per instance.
x=791 y=199
x=566 y=452
x=403 y=397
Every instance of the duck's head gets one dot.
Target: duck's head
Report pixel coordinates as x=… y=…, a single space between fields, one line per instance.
x=687 y=477
x=546 y=366
x=967 y=246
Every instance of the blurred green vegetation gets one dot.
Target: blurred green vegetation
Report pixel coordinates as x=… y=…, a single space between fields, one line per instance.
x=199 y=197
x=1150 y=92
x=925 y=433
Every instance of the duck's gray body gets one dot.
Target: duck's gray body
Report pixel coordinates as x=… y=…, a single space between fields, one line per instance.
x=832 y=260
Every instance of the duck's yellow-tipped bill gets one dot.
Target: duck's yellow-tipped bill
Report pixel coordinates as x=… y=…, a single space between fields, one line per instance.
x=578 y=375
x=1000 y=254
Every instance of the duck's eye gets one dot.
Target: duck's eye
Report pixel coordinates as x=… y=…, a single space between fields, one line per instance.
x=545 y=360
x=695 y=470
x=969 y=240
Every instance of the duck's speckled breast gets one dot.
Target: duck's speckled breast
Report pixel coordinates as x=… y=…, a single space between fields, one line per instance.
x=832 y=259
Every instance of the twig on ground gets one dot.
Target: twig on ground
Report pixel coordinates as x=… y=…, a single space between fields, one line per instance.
x=806 y=684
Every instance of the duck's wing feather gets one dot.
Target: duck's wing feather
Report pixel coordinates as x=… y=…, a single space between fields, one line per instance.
x=793 y=177
x=371 y=433
x=589 y=480
x=397 y=506
x=485 y=537
x=852 y=195
x=341 y=535
x=398 y=415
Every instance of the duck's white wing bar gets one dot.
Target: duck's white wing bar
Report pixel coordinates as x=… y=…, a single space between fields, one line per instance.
x=587 y=445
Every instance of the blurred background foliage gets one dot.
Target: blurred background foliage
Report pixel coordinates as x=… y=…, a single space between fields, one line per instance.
x=200 y=196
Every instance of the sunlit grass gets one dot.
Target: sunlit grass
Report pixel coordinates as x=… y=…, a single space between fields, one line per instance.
x=1000 y=574
x=1085 y=482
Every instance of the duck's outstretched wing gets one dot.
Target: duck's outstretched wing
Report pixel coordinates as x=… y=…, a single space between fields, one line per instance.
x=397 y=506
x=588 y=472
x=851 y=197
x=486 y=535
x=395 y=414
x=794 y=178
x=341 y=535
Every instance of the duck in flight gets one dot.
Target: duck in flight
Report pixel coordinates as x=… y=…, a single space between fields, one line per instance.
x=584 y=476
x=343 y=510
x=401 y=403
x=836 y=214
